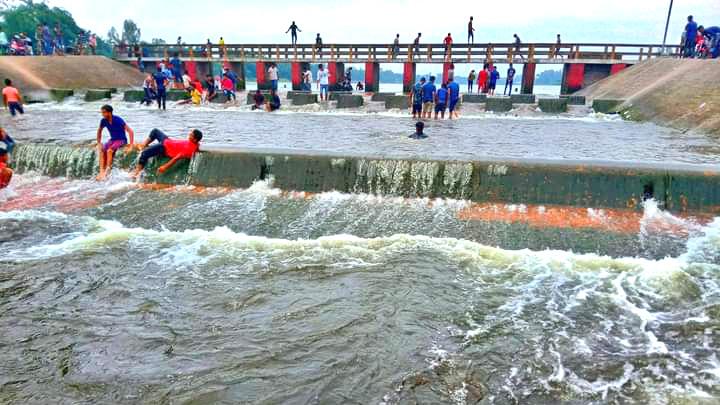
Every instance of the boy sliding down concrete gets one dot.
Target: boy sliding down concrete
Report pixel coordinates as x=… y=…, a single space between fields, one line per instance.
x=176 y=150
x=117 y=128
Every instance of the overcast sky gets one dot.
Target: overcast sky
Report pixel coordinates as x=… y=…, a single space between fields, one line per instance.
x=349 y=21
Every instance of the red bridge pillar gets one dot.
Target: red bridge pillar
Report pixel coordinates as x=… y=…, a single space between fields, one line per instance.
x=336 y=71
x=617 y=68
x=408 y=77
x=260 y=71
x=528 y=79
x=446 y=69
x=372 y=77
x=297 y=69
x=573 y=77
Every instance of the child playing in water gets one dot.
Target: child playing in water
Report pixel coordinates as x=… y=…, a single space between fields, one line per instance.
x=176 y=150
x=117 y=128
x=6 y=146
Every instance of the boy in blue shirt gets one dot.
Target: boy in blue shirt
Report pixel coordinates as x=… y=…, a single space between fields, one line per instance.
x=494 y=77
x=117 y=128
x=416 y=98
x=428 y=95
x=454 y=91
x=441 y=99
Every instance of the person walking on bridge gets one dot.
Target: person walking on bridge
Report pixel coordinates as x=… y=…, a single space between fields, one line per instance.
x=691 y=29
x=416 y=45
x=293 y=30
x=558 y=47
x=518 y=46
x=318 y=45
x=396 y=46
x=471 y=32
x=509 y=80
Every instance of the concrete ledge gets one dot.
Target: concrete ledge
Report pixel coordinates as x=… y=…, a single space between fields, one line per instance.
x=334 y=95
x=177 y=95
x=219 y=99
x=523 y=98
x=474 y=98
x=304 y=99
x=498 y=104
x=553 y=105
x=61 y=94
x=292 y=93
x=401 y=102
x=350 y=101
x=381 y=96
x=133 y=96
x=575 y=100
x=606 y=106
x=96 y=95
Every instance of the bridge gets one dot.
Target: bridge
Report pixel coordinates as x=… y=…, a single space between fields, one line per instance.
x=583 y=63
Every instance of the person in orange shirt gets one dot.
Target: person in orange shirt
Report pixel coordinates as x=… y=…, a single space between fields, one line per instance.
x=448 y=43
x=175 y=149
x=12 y=98
x=483 y=79
x=6 y=173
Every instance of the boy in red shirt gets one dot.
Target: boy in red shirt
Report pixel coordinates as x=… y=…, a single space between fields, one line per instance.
x=6 y=173
x=172 y=148
x=228 y=88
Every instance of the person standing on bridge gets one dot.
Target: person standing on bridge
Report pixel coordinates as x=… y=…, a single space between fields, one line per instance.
x=47 y=40
x=323 y=82
x=518 y=46
x=396 y=46
x=416 y=45
x=161 y=83
x=448 y=45
x=509 y=80
x=39 y=40
x=293 y=30
x=691 y=29
x=471 y=32
x=117 y=128
x=12 y=99
x=59 y=43
x=318 y=45
x=558 y=47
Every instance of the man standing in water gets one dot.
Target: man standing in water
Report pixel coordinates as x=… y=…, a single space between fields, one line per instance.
x=454 y=96
x=117 y=128
x=161 y=83
x=509 y=80
x=293 y=30
x=419 y=134
x=12 y=98
x=176 y=150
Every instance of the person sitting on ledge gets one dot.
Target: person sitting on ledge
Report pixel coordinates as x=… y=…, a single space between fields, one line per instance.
x=419 y=127
x=273 y=102
x=174 y=149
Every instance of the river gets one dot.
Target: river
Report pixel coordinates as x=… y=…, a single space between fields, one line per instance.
x=129 y=293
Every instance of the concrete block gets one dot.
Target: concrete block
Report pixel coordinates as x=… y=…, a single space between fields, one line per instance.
x=575 y=100
x=498 y=104
x=177 y=95
x=381 y=96
x=219 y=99
x=291 y=94
x=401 y=102
x=61 y=94
x=113 y=90
x=349 y=101
x=334 y=95
x=96 y=95
x=474 y=98
x=553 y=105
x=133 y=96
x=606 y=106
x=523 y=98
x=305 y=99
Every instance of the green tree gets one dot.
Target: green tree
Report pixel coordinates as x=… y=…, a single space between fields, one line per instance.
x=113 y=36
x=131 y=32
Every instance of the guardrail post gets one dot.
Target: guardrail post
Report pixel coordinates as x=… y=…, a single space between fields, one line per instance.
x=429 y=53
x=605 y=54
x=614 y=55
x=642 y=50
x=650 y=52
x=489 y=54
x=531 y=55
x=577 y=52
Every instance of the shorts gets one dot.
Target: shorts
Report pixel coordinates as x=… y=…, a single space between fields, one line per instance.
x=274 y=84
x=324 y=88
x=417 y=108
x=491 y=86
x=114 y=145
x=440 y=107
x=453 y=104
x=427 y=106
x=15 y=108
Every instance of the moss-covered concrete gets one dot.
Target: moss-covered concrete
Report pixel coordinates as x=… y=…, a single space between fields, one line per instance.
x=305 y=99
x=133 y=96
x=397 y=102
x=349 y=101
x=177 y=95
x=381 y=96
x=335 y=95
x=474 y=98
x=523 y=98
x=96 y=95
x=575 y=100
x=498 y=104
x=606 y=106
x=553 y=105
x=61 y=94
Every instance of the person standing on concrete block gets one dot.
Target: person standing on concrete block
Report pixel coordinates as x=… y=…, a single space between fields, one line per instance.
x=228 y=89
x=307 y=79
x=59 y=43
x=441 y=99
x=483 y=79
x=12 y=99
x=416 y=98
x=38 y=40
x=471 y=80
x=293 y=30
x=47 y=40
x=117 y=128
x=161 y=83
x=509 y=80
x=471 y=32
x=492 y=82
x=273 y=76
x=428 y=97
x=323 y=82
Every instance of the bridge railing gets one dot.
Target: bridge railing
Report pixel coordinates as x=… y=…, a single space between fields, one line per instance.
x=388 y=53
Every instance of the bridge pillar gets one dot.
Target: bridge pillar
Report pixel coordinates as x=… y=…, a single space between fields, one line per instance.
x=336 y=71
x=573 y=77
x=260 y=72
x=372 y=77
x=408 y=76
x=202 y=69
x=528 y=79
x=617 y=68
x=297 y=69
x=239 y=69
x=446 y=70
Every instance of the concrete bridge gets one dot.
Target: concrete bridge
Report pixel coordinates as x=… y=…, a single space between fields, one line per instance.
x=583 y=64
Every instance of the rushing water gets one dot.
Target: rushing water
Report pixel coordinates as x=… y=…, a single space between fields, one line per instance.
x=129 y=293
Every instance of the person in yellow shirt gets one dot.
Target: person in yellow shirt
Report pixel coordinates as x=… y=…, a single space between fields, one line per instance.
x=196 y=96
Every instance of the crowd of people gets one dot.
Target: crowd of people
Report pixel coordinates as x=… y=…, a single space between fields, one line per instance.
x=488 y=78
x=47 y=41
x=699 y=41
x=427 y=98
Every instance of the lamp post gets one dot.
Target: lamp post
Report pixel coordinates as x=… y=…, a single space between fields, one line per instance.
x=667 y=25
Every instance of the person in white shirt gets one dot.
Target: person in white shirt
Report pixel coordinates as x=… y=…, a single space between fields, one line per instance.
x=187 y=81
x=307 y=80
x=273 y=76
x=323 y=81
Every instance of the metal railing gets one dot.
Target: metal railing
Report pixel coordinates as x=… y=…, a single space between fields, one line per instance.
x=423 y=53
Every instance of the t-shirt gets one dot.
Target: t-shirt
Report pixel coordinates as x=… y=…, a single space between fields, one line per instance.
x=196 y=97
x=273 y=73
x=428 y=92
x=209 y=86
x=116 y=128
x=227 y=84
x=418 y=91
x=307 y=77
x=494 y=76
x=323 y=77
x=160 y=80
x=691 y=29
x=11 y=94
x=511 y=73
x=186 y=81
x=483 y=76
x=471 y=76
x=442 y=96
x=454 y=90
x=7 y=143
x=180 y=148
x=448 y=40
